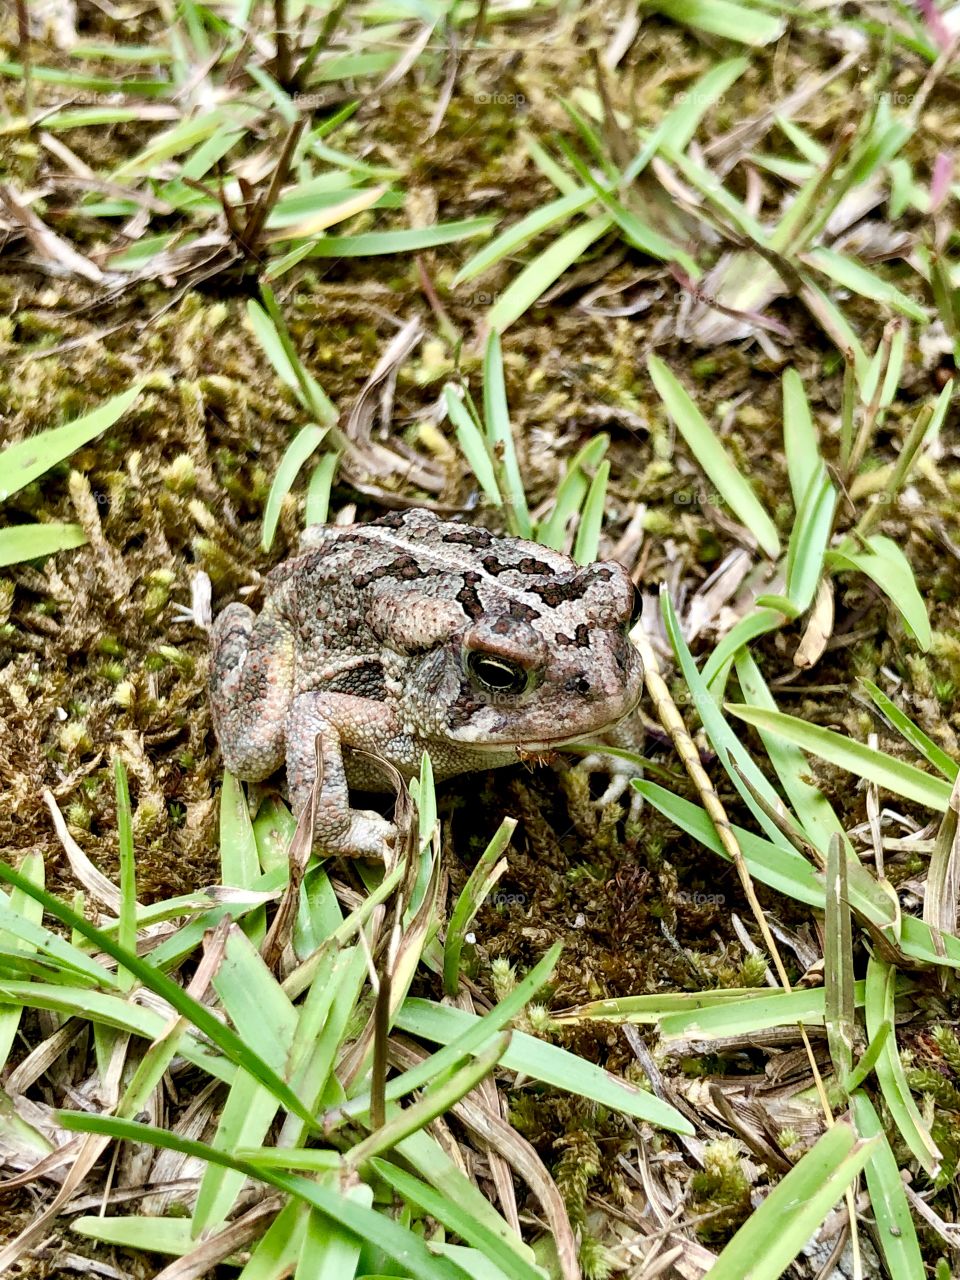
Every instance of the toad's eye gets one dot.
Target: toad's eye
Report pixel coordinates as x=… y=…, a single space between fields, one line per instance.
x=636 y=611
x=497 y=674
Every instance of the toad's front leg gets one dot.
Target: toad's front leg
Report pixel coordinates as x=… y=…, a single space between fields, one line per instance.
x=340 y=721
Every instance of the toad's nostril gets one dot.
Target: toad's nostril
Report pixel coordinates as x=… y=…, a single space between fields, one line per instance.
x=577 y=684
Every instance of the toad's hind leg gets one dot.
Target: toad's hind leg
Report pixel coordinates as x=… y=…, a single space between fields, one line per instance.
x=251 y=683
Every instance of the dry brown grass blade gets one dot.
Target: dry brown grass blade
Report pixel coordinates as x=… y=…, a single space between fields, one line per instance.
x=40 y=1059
x=525 y=1162
x=408 y=58
x=488 y=1096
x=943 y=879
x=819 y=628
x=211 y=1252
x=705 y=605
x=250 y=238
x=175 y=1178
x=498 y=1135
x=401 y=949
x=50 y=247
x=382 y=379
x=724 y=152
x=95 y=882
x=659 y=1085
x=93 y=1145
x=750 y=1134
x=45 y=1168
x=90 y=1150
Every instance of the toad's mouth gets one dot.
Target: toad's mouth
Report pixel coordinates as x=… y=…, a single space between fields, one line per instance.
x=542 y=745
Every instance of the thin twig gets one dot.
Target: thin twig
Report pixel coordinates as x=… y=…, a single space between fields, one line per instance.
x=23 y=37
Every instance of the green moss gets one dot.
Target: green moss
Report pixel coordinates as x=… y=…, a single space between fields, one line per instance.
x=720 y=1190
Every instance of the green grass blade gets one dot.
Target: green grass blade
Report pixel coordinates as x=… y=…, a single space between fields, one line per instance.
x=895 y=1229
x=127 y=922
x=651 y=1010
x=303 y=444
x=449 y=1212
x=474 y=445
x=890 y=569
x=785 y=870
x=275 y=1254
x=427 y=1158
x=800 y=441
x=317 y=506
x=814 y=813
x=893 y=775
x=852 y=275
x=912 y=733
x=92 y=117
x=111 y=1011
x=96 y=51
x=549 y=167
x=545 y=1062
x=572 y=492
x=24 y=461
x=833 y=322
x=811 y=151
x=722 y=737
x=717 y=195
x=475 y=1035
x=440 y=1098
x=254 y=1001
x=789 y=872
x=747 y=1016
x=879 y=1012
x=171 y=1236
x=328 y=1252
x=520 y=233
x=496 y=418
x=545 y=269
x=243 y=1121
x=479 y=883
x=239 y=859
x=227 y=1040
x=691 y=105
x=775 y=1233
x=28 y=935
x=191 y=131
x=586 y=548
x=758 y=623
x=723 y=18
x=410 y=240
x=838 y=962
x=641 y=235
x=22 y=542
x=711 y=456
x=271 y=330
x=25 y=914
x=400 y=1244
x=808 y=541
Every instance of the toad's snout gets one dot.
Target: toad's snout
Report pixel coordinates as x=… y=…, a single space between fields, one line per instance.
x=614 y=684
